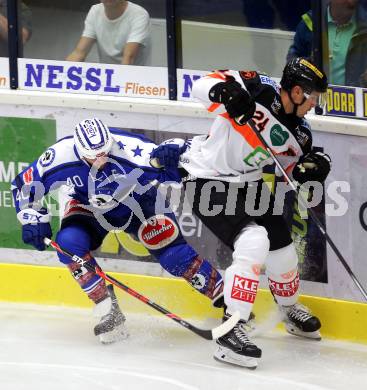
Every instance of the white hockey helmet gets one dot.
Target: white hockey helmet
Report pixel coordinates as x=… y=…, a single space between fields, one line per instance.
x=92 y=137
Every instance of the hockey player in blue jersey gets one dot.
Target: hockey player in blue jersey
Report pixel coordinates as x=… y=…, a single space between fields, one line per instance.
x=111 y=186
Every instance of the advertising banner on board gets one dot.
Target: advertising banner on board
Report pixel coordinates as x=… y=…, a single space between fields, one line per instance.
x=23 y=140
x=344 y=210
x=98 y=79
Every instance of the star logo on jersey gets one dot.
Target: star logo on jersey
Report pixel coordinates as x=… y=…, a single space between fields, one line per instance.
x=121 y=145
x=137 y=151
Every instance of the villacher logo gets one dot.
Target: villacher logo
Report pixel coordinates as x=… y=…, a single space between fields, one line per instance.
x=158 y=232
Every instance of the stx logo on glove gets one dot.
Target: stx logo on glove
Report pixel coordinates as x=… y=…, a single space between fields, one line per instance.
x=32 y=218
x=244 y=289
x=284 y=289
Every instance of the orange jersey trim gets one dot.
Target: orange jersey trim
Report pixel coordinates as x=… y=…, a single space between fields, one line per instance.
x=217 y=75
x=213 y=107
x=245 y=130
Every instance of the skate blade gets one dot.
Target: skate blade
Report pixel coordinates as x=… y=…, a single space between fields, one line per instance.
x=227 y=356
x=118 y=334
x=293 y=330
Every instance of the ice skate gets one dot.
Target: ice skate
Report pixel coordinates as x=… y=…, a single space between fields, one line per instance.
x=299 y=321
x=236 y=348
x=111 y=327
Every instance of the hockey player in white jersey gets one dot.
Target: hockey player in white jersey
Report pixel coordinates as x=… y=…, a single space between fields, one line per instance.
x=229 y=161
x=110 y=180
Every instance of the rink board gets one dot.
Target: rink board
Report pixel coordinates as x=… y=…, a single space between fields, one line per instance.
x=342 y=320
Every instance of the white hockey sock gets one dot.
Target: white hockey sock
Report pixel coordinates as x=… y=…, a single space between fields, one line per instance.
x=282 y=273
x=242 y=277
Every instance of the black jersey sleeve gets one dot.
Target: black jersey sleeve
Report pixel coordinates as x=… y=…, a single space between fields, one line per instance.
x=303 y=136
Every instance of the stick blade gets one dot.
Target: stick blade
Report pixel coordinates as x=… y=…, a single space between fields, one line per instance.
x=228 y=325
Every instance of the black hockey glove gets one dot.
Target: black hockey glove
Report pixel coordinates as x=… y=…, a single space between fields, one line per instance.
x=314 y=166
x=237 y=101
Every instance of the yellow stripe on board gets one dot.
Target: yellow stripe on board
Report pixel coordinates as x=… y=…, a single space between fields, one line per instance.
x=55 y=286
x=342 y=320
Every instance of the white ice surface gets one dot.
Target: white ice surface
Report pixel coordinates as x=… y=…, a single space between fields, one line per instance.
x=54 y=348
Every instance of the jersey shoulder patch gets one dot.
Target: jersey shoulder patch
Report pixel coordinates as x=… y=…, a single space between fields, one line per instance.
x=258 y=83
x=303 y=136
x=266 y=80
x=47 y=157
x=248 y=74
x=60 y=153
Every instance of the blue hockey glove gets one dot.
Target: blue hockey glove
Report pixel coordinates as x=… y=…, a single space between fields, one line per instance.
x=35 y=227
x=168 y=154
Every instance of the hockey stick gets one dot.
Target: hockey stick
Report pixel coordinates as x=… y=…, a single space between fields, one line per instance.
x=208 y=334
x=313 y=215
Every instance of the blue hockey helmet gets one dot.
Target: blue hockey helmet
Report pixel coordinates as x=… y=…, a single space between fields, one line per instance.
x=92 y=138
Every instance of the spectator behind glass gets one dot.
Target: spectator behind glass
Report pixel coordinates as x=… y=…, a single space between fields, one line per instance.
x=261 y=13
x=346 y=22
x=26 y=24
x=121 y=30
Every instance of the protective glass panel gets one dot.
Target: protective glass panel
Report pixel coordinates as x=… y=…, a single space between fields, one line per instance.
x=25 y=26
x=345 y=44
x=238 y=34
x=109 y=31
